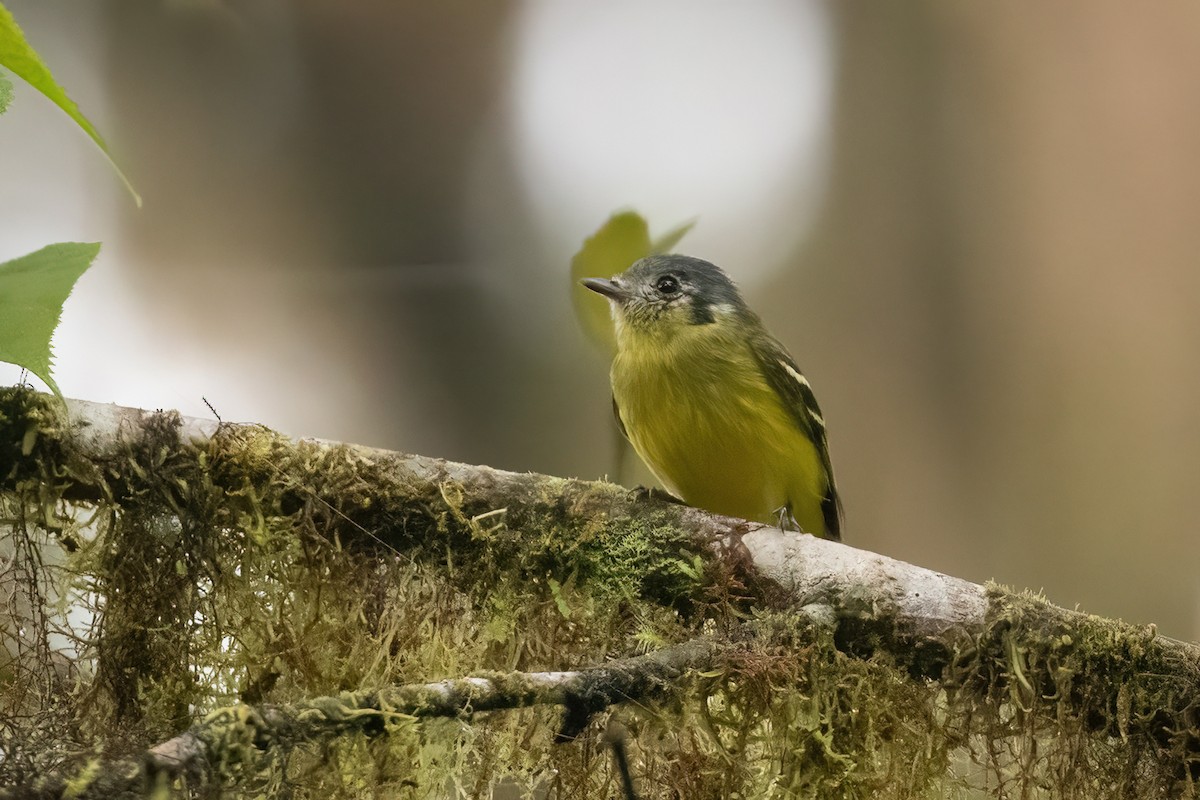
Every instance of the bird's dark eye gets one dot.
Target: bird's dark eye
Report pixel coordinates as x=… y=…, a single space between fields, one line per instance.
x=667 y=284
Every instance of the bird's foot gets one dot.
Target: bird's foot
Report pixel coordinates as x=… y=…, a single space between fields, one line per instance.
x=786 y=521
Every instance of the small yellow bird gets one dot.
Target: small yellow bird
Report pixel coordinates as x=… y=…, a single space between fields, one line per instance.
x=711 y=402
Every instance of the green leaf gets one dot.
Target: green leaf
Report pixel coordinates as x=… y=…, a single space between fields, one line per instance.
x=556 y=592
x=19 y=58
x=33 y=289
x=6 y=92
x=619 y=242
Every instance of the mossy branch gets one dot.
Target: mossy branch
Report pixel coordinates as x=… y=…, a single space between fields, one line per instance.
x=1011 y=663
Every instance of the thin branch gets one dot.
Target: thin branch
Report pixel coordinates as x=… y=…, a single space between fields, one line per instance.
x=231 y=736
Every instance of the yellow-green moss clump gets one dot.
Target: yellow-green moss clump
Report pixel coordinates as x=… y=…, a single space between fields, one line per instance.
x=162 y=580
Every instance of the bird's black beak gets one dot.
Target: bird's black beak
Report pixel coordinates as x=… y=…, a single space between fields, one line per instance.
x=610 y=289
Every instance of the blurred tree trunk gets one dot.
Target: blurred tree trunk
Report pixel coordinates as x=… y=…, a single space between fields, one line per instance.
x=1011 y=244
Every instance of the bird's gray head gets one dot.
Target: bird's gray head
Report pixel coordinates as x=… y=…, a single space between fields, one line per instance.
x=666 y=292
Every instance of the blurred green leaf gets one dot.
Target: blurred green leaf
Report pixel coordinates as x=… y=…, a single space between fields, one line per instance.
x=613 y=248
x=33 y=289
x=619 y=242
x=19 y=58
x=6 y=92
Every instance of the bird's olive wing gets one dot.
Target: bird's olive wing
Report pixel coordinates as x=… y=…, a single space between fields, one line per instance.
x=617 y=416
x=794 y=389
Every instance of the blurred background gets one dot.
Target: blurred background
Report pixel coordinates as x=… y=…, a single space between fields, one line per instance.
x=974 y=225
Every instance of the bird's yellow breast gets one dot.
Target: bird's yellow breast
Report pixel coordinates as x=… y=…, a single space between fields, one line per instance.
x=701 y=415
